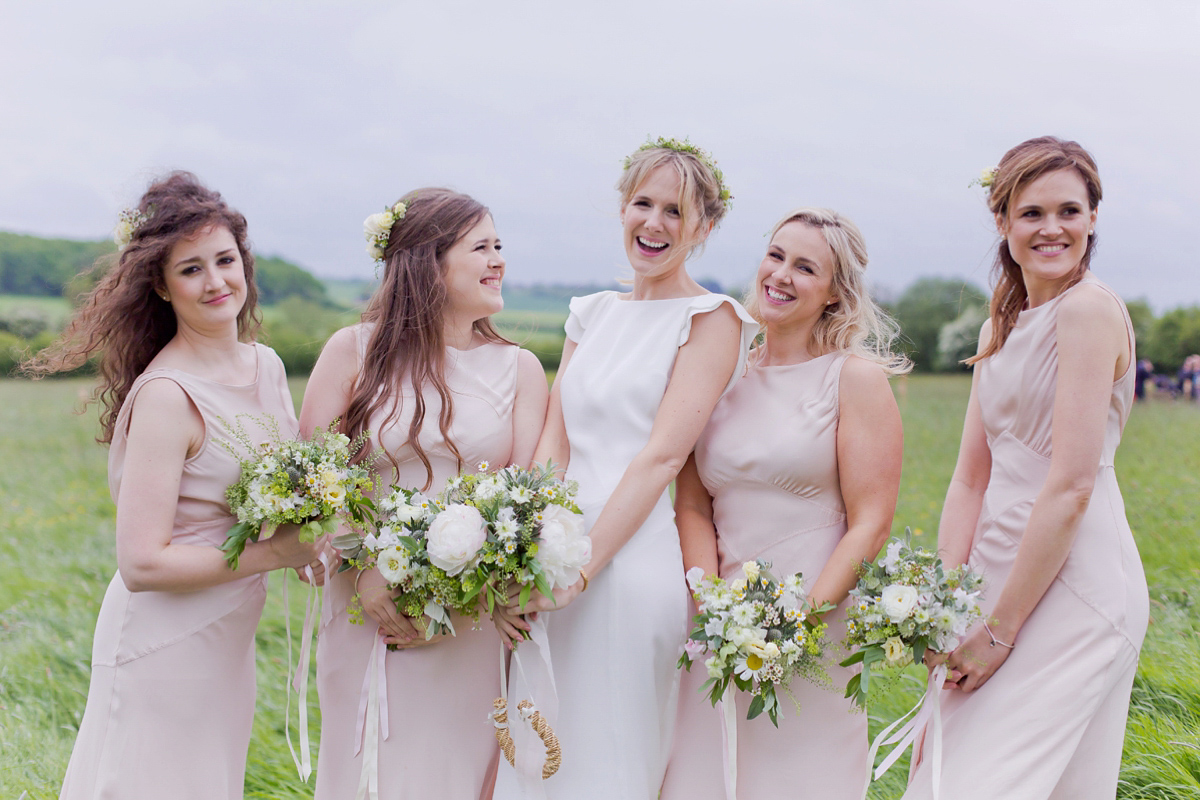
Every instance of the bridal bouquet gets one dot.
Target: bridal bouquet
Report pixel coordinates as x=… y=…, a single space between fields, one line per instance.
x=904 y=604
x=482 y=531
x=309 y=483
x=758 y=635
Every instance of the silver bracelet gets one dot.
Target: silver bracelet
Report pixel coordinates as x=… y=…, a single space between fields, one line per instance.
x=995 y=641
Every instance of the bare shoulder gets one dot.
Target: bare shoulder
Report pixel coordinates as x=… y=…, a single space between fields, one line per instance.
x=528 y=364
x=1091 y=307
x=863 y=380
x=164 y=415
x=343 y=344
x=161 y=395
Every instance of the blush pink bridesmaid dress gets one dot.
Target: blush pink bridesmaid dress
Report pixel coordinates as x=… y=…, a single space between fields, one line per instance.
x=440 y=741
x=1050 y=723
x=769 y=459
x=171 y=700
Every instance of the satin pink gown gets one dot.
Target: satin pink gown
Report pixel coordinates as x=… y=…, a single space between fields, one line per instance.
x=769 y=459
x=1050 y=723
x=441 y=743
x=171 y=700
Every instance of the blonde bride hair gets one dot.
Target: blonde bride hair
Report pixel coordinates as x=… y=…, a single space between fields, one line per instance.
x=853 y=322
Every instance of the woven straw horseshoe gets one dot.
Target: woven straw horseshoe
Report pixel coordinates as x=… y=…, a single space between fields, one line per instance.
x=540 y=727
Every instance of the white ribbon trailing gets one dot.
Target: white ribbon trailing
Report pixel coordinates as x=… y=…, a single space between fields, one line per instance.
x=902 y=734
x=536 y=683
x=729 y=734
x=372 y=720
x=299 y=680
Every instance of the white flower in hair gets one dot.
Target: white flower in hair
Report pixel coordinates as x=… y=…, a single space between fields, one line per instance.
x=128 y=222
x=378 y=229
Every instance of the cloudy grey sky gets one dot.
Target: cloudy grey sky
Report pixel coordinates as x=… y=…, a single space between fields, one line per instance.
x=310 y=115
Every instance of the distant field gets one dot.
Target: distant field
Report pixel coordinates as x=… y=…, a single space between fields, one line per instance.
x=56 y=309
x=56 y=557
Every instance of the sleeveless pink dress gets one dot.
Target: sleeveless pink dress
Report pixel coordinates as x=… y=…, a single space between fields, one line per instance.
x=171 y=700
x=769 y=459
x=440 y=742
x=1050 y=723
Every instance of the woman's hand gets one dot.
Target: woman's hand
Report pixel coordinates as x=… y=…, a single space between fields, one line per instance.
x=405 y=643
x=974 y=661
x=326 y=563
x=378 y=602
x=511 y=625
x=559 y=598
x=288 y=551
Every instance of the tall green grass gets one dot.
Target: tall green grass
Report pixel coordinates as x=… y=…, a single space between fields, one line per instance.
x=56 y=558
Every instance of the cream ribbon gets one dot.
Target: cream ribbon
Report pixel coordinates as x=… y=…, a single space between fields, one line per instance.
x=927 y=708
x=299 y=680
x=729 y=734
x=537 y=682
x=372 y=720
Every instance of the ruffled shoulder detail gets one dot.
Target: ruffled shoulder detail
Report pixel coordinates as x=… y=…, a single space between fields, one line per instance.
x=705 y=303
x=584 y=310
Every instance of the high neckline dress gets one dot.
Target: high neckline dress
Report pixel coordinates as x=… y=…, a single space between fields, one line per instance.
x=614 y=648
x=1051 y=721
x=440 y=742
x=171 y=700
x=769 y=460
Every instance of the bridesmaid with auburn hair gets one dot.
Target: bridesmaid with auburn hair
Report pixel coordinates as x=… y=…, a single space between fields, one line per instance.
x=1037 y=695
x=800 y=466
x=440 y=391
x=171 y=700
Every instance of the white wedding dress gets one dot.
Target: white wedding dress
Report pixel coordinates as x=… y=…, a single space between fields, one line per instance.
x=614 y=648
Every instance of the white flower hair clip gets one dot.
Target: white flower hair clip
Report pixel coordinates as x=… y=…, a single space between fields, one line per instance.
x=128 y=222
x=378 y=228
x=986 y=177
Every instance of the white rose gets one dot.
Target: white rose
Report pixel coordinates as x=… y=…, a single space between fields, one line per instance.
x=563 y=546
x=393 y=564
x=454 y=538
x=898 y=601
x=406 y=514
x=378 y=224
x=750 y=568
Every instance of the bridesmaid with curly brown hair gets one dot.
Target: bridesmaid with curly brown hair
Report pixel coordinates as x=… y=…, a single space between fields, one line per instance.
x=171 y=700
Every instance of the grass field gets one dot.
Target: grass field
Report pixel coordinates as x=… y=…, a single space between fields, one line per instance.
x=56 y=557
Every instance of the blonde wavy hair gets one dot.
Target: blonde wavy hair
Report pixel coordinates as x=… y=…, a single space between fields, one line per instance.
x=853 y=323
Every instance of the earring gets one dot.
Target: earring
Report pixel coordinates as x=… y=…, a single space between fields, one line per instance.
x=1092 y=232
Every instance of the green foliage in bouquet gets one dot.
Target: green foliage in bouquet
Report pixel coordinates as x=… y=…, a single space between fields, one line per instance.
x=306 y=483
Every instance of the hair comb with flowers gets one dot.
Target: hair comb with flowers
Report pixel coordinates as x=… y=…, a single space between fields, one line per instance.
x=128 y=222
x=699 y=153
x=378 y=228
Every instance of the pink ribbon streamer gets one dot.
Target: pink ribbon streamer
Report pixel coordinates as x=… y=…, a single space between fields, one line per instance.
x=927 y=709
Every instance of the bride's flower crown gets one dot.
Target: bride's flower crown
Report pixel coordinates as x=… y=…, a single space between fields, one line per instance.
x=699 y=153
x=128 y=222
x=378 y=228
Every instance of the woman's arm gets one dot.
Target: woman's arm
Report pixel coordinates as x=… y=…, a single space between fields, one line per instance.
x=870 y=446
x=553 y=444
x=694 y=519
x=529 y=407
x=327 y=397
x=165 y=428
x=964 y=496
x=1092 y=342
x=703 y=367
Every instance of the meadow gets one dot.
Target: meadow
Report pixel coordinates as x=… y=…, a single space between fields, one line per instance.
x=56 y=558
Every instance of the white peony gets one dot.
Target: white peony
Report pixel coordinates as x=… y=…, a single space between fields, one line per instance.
x=563 y=547
x=898 y=601
x=378 y=224
x=454 y=538
x=393 y=564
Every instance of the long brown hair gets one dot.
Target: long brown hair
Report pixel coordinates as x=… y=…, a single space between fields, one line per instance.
x=123 y=318
x=407 y=343
x=1020 y=167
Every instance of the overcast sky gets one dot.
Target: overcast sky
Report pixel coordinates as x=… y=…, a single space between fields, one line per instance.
x=310 y=115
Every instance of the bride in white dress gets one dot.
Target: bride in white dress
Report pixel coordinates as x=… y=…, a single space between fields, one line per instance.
x=641 y=372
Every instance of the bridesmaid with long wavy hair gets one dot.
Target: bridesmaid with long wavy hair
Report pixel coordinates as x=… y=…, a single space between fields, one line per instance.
x=439 y=390
x=171 y=700
x=1037 y=695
